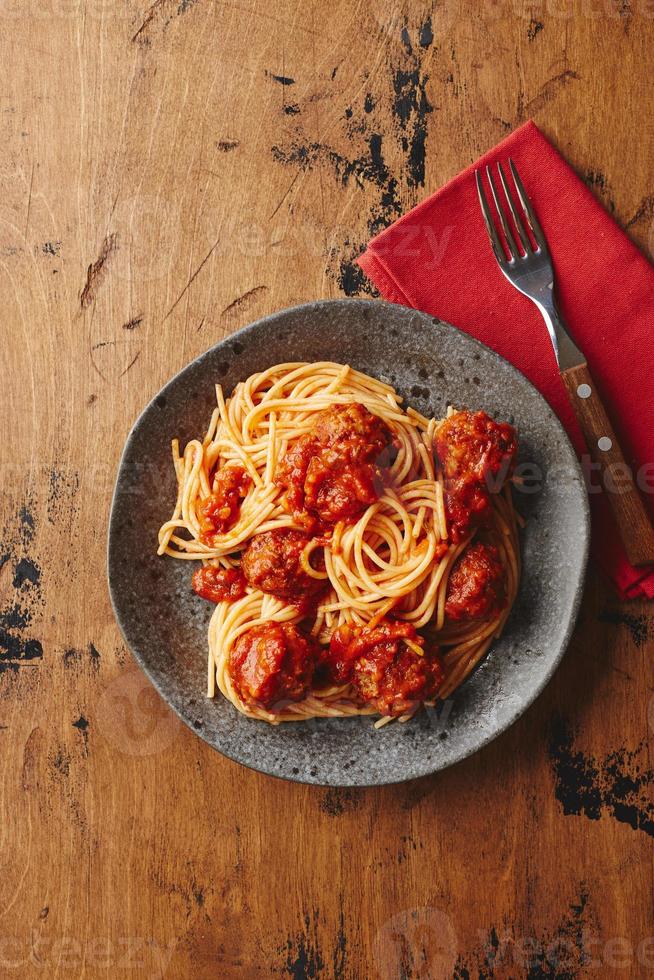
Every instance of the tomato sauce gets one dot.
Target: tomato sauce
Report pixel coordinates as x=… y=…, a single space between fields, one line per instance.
x=220 y=511
x=218 y=584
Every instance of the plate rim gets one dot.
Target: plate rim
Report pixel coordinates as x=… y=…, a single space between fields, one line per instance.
x=555 y=659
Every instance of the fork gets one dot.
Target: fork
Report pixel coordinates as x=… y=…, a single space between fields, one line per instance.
x=528 y=267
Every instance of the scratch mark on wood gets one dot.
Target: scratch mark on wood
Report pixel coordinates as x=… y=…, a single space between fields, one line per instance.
x=645 y=210
x=131 y=363
x=192 y=279
x=29 y=202
x=290 y=28
x=95 y=367
x=142 y=35
x=33 y=744
x=622 y=673
x=285 y=195
x=95 y=270
x=134 y=322
x=240 y=300
x=546 y=93
x=200 y=325
x=150 y=14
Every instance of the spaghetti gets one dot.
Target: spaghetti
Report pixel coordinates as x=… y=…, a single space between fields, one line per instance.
x=344 y=545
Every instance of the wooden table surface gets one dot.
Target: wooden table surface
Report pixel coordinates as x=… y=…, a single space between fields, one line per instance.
x=172 y=170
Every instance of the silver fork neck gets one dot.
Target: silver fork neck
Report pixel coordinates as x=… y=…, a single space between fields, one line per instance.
x=566 y=351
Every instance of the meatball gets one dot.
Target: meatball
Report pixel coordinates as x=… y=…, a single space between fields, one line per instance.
x=218 y=584
x=271 y=563
x=361 y=435
x=335 y=662
x=220 y=511
x=292 y=472
x=467 y=506
x=385 y=672
x=473 y=447
x=332 y=473
x=477 y=584
x=338 y=490
x=271 y=665
x=476 y=455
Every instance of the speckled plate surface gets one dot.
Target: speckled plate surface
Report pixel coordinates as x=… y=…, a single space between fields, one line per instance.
x=431 y=364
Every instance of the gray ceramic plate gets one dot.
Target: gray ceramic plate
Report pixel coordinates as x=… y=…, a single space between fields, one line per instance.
x=431 y=364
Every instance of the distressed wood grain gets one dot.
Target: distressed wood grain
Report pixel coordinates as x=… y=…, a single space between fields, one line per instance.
x=171 y=171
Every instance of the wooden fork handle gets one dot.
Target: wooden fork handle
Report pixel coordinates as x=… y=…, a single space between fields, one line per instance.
x=617 y=478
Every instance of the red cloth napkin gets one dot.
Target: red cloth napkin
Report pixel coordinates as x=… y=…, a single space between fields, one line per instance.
x=437 y=258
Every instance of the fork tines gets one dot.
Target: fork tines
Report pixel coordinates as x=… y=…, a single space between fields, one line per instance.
x=519 y=221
